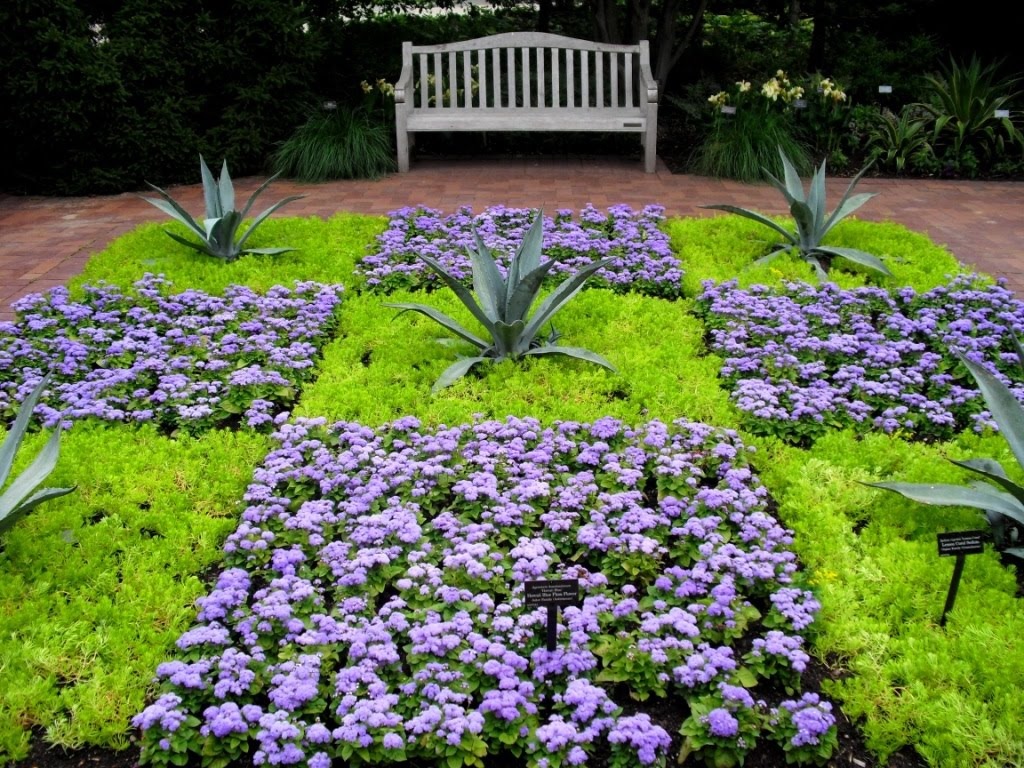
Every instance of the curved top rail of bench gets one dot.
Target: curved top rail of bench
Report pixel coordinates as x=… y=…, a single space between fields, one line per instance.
x=526 y=40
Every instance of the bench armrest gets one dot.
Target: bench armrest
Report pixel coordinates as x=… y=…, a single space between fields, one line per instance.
x=404 y=81
x=648 y=85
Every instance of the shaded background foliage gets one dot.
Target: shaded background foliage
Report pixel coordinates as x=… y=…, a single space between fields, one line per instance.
x=99 y=96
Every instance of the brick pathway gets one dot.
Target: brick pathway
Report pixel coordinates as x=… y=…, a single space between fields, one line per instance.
x=45 y=241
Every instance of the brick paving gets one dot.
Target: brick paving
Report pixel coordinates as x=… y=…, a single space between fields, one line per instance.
x=44 y=241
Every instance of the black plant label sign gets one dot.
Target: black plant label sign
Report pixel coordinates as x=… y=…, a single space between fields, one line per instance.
x=551 y=594
x=961 y=543
x=556 y=592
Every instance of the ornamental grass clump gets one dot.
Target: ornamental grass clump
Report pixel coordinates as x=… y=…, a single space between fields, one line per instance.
x=642 y=257
x=804 y=359
x=186 y=360
x=219 y=230
x=812 y=222
x=371 y=606
x=502 y=303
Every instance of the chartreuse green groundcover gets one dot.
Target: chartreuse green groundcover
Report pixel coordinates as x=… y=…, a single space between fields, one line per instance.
x=369 y=602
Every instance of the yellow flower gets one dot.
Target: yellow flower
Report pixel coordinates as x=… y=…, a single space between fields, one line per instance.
x=365 y=86
x=793 y=94
x=771 y=89
x=744 y=85
x=719 y=99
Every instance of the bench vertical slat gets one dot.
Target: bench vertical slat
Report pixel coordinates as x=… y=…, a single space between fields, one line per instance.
x=423 y=80
x=510 y=62
x=570 y=78
x=585 y=78
x=599 y=57
x=481 y=63
x=556 y=89
x=629 y=80
x=525 y=54
x=615 y=80
x=453 y=82
x=438 y=96
x=467 y=79
x=541 y=91
x=496 y=75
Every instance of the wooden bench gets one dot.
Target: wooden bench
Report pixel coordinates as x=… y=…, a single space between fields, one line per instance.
x=526 y=81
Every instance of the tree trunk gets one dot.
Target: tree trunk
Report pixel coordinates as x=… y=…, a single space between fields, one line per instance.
x=819 y=37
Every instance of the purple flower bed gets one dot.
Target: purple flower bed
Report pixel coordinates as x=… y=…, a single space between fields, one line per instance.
x=807 y=358
x=187 y=360
x=645 y=260
x=371 y=608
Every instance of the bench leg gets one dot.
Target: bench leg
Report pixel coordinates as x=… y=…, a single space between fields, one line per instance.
x=403 y=151
x=650 y=139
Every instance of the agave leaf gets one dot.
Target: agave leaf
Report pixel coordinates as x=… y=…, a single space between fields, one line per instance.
x=222 y=235
x=10 y=445
x=487 y=281
x=982 y=497
x=780 y=249
x=561 y=295
x=1005 y=409
x=794 y=186
x=268 y=251
x=508 y=338
x=33 y=476
x=455 y=371
x=226 y=189
x=577 y=352
x=170 y=206
x=211 y=194
x=33 y=501
x=754 y=216
x=260 y=219
x=1017 y=552
x=526 y=291
x=1017 y=349
x=849 y=202
x=527 y=257
x=803 y=216
x=816 y=202
x=259 y=190
x=464 y=294
x=857 y=257
x=994 y=471
x=440 y=317
x=203 y=247
x=819 y=270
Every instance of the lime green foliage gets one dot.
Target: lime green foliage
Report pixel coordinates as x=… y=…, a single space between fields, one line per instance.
x=383 y=367
x=502 y=304
x=98 y=585
x=949 y=693
x=218 y=234
x=21 y=496
x=326 y=252
x=725 y=247
x=341 y=143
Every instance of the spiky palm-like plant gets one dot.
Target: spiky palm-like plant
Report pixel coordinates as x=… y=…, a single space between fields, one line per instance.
x=502 y=306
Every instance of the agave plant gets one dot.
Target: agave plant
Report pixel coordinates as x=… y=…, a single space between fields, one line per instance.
x=220 y=227
x=21 y=496
x=504 y=304
x=812 y=223
x=1000 y=499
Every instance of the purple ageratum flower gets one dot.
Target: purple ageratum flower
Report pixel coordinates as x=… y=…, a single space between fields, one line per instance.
x=812 y=718
x=644 y=258
x=721 y=723
x=188 y=358
x=637 y=732
x=366 y=542
x=803 y=357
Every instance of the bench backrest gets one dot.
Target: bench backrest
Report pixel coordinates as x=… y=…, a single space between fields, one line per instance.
x=529 y=70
